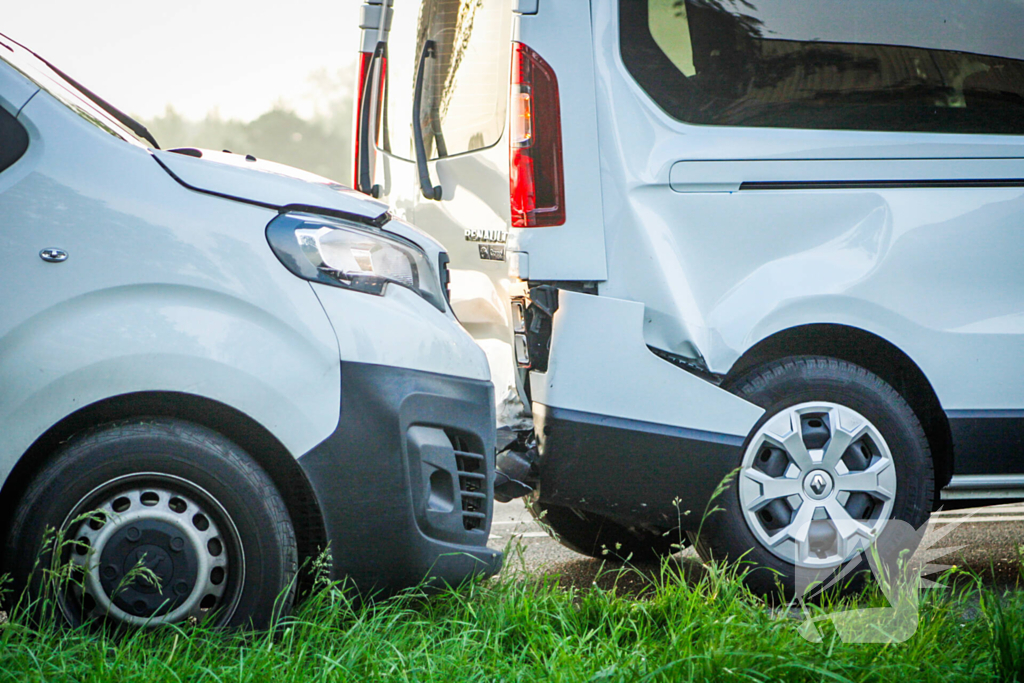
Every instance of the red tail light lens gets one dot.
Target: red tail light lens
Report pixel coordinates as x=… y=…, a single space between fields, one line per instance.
x=536 y=185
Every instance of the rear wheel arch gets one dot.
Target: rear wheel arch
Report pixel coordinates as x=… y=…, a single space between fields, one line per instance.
x=878 y=356
x=230 y=423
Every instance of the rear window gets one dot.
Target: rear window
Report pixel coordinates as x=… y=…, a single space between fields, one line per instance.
x=465 y=85
x=944 y=66
x=13 y=139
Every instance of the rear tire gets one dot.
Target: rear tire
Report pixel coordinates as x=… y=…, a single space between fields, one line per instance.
x=172 y=496
x=602 y=538
x=876 y=467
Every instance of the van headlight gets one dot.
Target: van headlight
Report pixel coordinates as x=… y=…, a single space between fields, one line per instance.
x=348 y=255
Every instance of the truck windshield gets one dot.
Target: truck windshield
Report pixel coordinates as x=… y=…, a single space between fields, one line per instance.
x=465 y=85
x=74 y=96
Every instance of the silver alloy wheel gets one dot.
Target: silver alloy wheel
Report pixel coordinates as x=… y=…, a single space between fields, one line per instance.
x=817 y=484
x=166 y=524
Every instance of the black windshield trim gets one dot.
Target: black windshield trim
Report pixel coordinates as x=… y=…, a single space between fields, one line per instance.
x=122 y=118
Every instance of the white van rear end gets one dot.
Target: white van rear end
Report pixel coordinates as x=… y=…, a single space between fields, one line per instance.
x=778 y=235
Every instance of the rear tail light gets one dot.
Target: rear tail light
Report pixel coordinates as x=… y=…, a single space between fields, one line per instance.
x=364 y=68
x=536 y=185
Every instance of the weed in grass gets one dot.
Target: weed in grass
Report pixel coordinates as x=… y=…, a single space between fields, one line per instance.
x=1006 y=634
x=60 y=583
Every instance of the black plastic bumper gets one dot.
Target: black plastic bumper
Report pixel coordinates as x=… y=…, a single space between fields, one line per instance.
x=637 y=473
x=405 y=483
x=987 y=441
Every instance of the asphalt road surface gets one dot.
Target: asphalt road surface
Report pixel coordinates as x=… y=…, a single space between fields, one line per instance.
x=990 y=537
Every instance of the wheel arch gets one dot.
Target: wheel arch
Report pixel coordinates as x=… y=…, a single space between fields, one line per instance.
x=231 y=423
x=875 y=354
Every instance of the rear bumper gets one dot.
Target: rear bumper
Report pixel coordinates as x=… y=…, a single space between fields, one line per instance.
x=637 y=473
x=405 y=482
x=624 y=433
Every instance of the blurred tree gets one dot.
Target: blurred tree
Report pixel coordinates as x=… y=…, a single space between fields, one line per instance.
x=320 y=144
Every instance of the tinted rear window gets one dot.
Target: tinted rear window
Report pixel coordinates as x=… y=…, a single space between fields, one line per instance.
x=13 y=139
x=944 y=66
x=465 y=85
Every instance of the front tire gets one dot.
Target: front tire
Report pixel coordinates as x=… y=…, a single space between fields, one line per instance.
x=837 y=454
x=197 y=512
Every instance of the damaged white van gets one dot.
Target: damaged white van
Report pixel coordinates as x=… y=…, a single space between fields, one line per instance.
x=217 y=368
x=782 y=236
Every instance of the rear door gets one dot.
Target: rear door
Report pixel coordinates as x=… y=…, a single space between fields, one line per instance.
x=462 y=49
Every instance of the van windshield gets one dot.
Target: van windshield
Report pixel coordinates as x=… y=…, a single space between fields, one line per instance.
x=72 y=95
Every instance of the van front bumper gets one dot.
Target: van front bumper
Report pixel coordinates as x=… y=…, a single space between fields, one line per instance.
x=405 y=482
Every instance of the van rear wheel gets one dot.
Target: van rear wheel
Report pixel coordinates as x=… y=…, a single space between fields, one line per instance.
x=836 y=456
x=603 y=538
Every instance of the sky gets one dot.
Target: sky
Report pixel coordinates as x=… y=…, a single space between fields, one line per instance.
x=239 y=58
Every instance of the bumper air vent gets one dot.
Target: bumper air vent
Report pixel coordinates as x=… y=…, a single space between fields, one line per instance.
x=471 y=465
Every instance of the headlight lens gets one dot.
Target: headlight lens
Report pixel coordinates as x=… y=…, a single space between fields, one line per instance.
x=347 y=255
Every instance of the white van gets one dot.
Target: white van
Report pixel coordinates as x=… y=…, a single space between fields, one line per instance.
x=219 y=368
x=782 y=236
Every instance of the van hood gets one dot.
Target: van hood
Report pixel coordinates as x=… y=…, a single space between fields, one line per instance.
x=265 y=183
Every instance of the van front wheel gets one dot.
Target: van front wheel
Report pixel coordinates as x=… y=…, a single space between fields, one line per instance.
x=836 y=457
x=153 y=521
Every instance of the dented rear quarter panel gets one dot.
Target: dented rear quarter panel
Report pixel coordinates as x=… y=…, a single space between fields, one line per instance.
x=932 y=270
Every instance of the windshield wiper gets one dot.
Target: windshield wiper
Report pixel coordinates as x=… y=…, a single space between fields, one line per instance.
x=368 y=116
x=430 y=191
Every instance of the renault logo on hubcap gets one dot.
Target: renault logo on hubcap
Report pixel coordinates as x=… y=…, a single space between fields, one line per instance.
x=818 y=484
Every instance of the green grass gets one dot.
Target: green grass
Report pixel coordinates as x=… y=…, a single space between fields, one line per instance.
x=705 y=626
